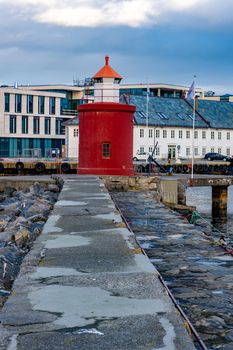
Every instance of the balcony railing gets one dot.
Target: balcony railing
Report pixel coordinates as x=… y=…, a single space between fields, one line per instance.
x=69 y=112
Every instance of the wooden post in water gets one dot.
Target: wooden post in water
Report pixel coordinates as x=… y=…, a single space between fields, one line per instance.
x=219 y=202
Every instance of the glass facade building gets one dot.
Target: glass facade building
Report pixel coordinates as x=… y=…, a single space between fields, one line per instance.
x=15 y=147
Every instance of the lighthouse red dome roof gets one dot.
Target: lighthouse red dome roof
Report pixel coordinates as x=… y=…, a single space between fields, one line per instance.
x=107 y=71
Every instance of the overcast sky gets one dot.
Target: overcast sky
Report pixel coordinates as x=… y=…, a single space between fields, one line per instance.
x=54 y=41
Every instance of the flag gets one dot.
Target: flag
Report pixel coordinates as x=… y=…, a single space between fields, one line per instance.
x=191 y=92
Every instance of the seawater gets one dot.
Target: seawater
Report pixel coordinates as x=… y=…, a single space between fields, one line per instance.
x=201 y=197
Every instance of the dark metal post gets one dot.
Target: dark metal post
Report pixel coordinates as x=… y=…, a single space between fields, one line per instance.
x=219 y=202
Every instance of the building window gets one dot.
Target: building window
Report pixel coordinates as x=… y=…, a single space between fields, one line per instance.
x=141 y=150
x=204 y=134
x=203 y=152
x=172 y=134
x=228 y=135
x=52 y=105
x=41 y=104
x=228 y=151
x=47 y=126
x=157 y=151
x=187 y=134
x=7 y=102
x=18 y=103
x=13 y=125
x=59 y=127
x=150 y=133
x=212 y=135
x=196 y=151
x=188 y=151
x=141 y=132
x=219 y=135
x=219 y=150
x=212 y=150
x=24 y=124
x=162 y=115
x=30 y=104
x=180 y=134
x=106 y=150
x=180 y=116
x=157 y=134
x=196 y=134
x=75 y=132
x=36 y=125
x=164 y=134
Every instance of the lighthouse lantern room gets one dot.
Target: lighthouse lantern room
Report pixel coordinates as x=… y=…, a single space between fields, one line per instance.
x=106 y=84
x=106 y=128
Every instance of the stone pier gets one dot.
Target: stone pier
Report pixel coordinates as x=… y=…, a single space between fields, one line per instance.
x=86 y=284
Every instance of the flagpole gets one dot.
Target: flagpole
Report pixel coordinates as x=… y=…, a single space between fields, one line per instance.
x=194 y=110
x=147 y=117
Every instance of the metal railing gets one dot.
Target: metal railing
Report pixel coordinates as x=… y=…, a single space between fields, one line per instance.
x=69 y=112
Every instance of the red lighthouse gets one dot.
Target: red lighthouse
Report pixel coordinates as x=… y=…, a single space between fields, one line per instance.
x=106 y=128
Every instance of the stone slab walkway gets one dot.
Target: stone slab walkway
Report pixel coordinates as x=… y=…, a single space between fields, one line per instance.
x=86 y=284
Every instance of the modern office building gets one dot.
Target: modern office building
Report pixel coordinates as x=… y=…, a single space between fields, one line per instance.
x=31 y=122
x=159 y=90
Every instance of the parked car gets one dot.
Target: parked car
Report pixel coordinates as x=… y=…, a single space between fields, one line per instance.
x=141 y=156
x=216 y=156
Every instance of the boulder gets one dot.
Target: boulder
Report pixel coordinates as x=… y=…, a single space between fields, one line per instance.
x=37 y=218
x=53 y=188
x=9 y=191
x=2 y=197
x=22 y=236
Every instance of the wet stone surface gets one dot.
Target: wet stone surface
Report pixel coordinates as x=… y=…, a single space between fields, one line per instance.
x=22 y=217
x=87 y=285
x=198 y=273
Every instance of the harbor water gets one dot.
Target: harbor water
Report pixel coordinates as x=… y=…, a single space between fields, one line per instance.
x=201 y=198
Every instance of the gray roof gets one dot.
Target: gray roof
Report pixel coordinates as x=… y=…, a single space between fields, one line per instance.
x=220 y=114
x=73 y=121
x=175 y=112
x=178 y=112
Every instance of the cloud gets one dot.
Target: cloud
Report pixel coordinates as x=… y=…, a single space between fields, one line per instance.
x=95 y=13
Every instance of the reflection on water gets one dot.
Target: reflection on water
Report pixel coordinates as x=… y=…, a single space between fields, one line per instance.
x=201 y=197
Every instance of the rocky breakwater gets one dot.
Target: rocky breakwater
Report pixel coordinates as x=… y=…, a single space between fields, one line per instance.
x=22 y=216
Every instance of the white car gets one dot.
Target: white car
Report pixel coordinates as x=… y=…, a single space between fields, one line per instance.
x=141 y=156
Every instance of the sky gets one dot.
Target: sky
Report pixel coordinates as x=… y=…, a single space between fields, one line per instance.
x=148 y=41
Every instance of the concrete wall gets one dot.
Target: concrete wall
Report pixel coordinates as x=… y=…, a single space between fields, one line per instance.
x=131 y=183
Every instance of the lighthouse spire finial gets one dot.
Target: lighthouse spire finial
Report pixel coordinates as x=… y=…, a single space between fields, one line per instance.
x=107 y=72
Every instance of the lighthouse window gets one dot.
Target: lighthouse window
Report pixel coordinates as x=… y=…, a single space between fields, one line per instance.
x=106 y=150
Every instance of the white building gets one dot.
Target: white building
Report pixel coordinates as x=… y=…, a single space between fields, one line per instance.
x=72 y=138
